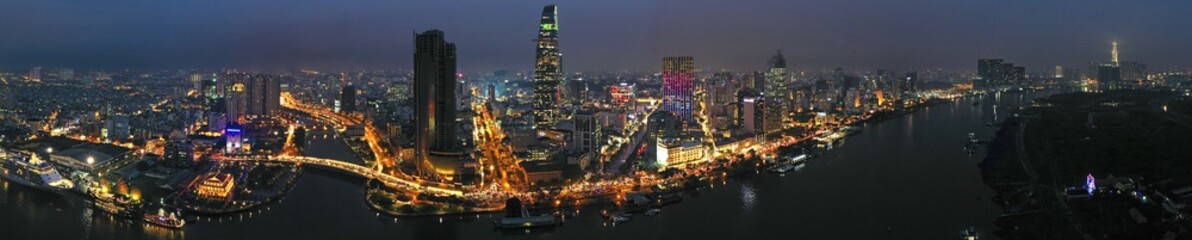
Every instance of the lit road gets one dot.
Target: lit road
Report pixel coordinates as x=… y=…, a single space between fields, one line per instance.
x=356 y=169
x=496 y=158
x=637 y=128
x=384 y=157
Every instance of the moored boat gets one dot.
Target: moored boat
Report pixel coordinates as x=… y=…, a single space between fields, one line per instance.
x=161 y=218
x=29 y=170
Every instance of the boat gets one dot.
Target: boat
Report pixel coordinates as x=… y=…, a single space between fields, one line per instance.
x=653 y=212
x=31 y=171
x=798 y=159
x=973 y=137
x=116 y=205
x=969 y=234
x=621 y=218
x=160 y=218
x=782 y=168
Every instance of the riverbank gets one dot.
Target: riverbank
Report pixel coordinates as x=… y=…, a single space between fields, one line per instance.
x=388 y=202
x=255 y=185
x=1091 y=164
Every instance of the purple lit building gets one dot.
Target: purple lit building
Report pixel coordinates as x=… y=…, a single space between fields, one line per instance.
x=678 y=89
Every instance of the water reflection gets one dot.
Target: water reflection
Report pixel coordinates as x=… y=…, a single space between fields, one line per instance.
x=748 y=197
x=159 y=232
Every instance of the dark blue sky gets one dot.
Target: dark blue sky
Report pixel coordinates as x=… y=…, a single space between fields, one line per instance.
x=595 y=35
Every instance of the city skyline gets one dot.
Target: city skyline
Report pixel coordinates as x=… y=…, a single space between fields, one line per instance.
x=861 y=35
x=791 y=124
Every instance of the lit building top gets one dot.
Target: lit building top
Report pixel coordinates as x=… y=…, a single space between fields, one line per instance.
x=217 y=186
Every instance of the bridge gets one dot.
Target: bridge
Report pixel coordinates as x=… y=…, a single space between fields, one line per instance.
x=389 y=180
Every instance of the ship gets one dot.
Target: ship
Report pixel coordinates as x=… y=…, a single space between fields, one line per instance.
x=161 y=218
x=31 y=171
x=116 y=205
x=782 y=168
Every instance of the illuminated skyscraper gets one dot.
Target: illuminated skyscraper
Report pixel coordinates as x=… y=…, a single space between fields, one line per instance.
x=908 y=84
x=678 y=75
x=775 y=94
x=1114 y=73
x=196 y=79
x=435 y=146
x=1114 y=53
x=236 y=97
x=547 y=70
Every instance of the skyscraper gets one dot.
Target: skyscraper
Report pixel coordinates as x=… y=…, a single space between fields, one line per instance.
x=435 y=146
x=1114 y=53
x=347 y=99
x=236 y=97
x=907 y=84
x=989 y=71
x=678 y=75
x=1110 y=74
x=587 y=131
x=749 y=117
x=547 y=70
x=775 y=94
x=264 y=95
x=197 y=80
x=996 y=72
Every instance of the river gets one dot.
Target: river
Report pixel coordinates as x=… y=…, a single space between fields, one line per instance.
x=904 y=178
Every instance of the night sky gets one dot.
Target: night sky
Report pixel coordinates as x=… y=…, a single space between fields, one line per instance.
x=595 y=35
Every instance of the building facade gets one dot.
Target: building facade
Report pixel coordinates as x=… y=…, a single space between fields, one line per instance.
x=548 y=70
x=775 y=95
x=435 y=145
x=678 y=76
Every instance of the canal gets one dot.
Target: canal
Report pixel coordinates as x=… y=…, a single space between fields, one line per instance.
x=904 y=178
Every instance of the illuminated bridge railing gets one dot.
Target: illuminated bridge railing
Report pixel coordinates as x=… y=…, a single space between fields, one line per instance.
x=370 y=173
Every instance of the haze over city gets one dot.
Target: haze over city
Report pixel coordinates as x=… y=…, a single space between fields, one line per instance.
x=601 y=35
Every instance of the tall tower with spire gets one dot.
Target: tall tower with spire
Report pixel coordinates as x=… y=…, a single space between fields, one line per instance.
x=548 y=70
x=1114 y=53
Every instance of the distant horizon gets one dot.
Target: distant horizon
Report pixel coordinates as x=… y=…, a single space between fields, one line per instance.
x=608 y=35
